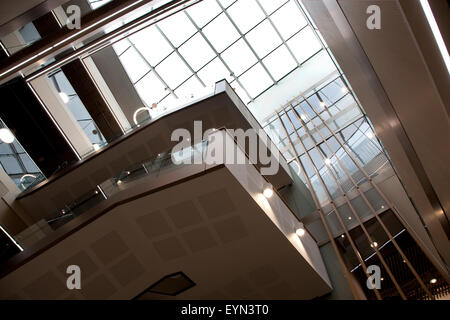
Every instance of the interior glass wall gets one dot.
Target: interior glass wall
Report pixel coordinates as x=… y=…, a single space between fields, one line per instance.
x=16 y=162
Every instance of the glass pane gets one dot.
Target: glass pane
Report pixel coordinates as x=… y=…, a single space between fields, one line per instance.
x=280 y=62
x=263 y=39
x=256 y=80
x=304 y=44
x=246 y=14
x=213 y=72
x=288 y=20
x=151 y=44
x=121 y=46
x=221 y=33
x=151 y=89
x=239 y=57
x=134 y=64
x=173 y=70
x=271 y=5
x=177 y=28
x=191 y=89
x=204 y=11
x=197 y=52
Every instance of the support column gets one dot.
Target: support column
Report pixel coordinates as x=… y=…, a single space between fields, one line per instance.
x=92 y=99
x=61 y=114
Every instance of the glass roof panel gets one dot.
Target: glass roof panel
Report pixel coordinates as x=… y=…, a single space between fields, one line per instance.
x=263 y=38
x=204 y=12
x=239 y=57
x=134 y=64
x=221 y=33
x=240 y=92
x=178 y=28
x=256 y=80
x=246 y=14
x=121 y=46
x=271 y=5
x=288 y=20
x=191 y=89
x=304 y=44
x=280 y=62
x=213 y=72
x=151 y=89
x=151 y=44
x=197 y=52
x=226 y=3
x=173 y=70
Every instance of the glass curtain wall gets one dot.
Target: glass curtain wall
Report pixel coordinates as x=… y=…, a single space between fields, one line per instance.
x=251 y=43
x=16 y=162
x=76 y=107
x=328 y=141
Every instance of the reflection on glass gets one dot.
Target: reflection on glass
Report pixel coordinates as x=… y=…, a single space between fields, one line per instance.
x=76 y=107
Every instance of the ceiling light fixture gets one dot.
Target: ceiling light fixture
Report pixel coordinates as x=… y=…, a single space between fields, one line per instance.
x=374 y=244
x=434 y=280
x=64 y=97
x=300 y=231
x=436 y=32
x=268 y=192
x=6 y=135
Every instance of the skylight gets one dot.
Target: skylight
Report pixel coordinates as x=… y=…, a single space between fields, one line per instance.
x=251 y=43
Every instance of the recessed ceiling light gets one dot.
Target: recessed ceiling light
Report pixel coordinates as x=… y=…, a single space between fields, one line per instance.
x=300 y=232
x=268 y=192
x=342 y=236
x=64 y=97
x=382 y=279
x=349 y=218
x=434 y=280
x=374 y=244
x=6 y=135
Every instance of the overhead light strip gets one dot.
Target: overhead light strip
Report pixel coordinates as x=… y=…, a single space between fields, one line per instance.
x=436 y=32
